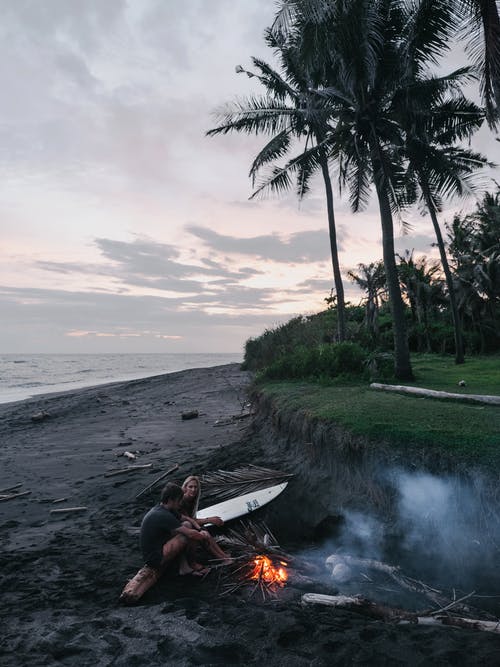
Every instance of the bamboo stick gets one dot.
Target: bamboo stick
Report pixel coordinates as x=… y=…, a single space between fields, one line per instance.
x=158 y=479
x=14 y=495
x=63 y=510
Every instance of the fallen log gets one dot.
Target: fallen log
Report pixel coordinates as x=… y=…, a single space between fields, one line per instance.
x=431 y=393
x=158 y=479
x=393 y=614
x=141 y=582
x=11 y=496
x=122 y=471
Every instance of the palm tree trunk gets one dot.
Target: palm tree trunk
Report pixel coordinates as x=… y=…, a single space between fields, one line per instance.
x=339 y=287
x=402 y=364
x=457 y=330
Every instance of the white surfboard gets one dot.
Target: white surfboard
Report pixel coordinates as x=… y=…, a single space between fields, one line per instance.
x=249 y=502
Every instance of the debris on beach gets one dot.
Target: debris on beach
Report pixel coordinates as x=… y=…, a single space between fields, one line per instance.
x=190 y=414
x=40 y=416
x=399 y=616
x=65 y=510
x=157 y=480
x=129 y=455
x=11 y=496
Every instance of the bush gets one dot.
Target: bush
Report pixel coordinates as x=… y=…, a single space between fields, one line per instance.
x=320 y=361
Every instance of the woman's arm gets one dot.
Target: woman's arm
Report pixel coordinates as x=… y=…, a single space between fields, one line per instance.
x=214 y=520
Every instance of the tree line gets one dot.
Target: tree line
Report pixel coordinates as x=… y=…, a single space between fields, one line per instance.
x=356 y=92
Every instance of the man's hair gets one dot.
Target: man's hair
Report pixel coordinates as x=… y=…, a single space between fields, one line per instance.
x=171 y=492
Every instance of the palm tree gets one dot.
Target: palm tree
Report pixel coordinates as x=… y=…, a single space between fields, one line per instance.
x=371 y=279
x=475 y=21
x=483 y=42
x=289 y=111
x=434 y=119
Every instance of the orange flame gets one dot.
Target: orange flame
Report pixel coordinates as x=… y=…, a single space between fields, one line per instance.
x=266 y=571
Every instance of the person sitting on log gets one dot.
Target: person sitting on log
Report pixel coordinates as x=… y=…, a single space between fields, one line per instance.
x=165 y=535
x=191 y=488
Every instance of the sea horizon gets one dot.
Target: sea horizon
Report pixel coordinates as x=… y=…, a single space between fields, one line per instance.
x=26 y=375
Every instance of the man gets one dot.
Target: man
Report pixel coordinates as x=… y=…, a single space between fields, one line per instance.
x=164 y=535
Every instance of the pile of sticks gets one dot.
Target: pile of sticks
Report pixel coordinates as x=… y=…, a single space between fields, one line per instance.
x=245 y=543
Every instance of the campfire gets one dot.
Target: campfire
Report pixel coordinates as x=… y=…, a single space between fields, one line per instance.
x=266 y=571
x=260 y=565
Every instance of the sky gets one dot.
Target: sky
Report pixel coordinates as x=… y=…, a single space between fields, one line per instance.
x=123 y=228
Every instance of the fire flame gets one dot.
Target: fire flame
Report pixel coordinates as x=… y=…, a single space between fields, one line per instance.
x=265 y=570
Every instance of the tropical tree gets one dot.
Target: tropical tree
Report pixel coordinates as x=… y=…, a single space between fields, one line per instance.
x=434 y=120
x=475 y=22
x=289 y=112
x=371 y=279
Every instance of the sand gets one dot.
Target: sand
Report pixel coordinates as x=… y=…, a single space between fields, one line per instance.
x=61 y=575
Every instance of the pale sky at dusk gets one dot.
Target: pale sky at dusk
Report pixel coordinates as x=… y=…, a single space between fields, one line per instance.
x=124 y=228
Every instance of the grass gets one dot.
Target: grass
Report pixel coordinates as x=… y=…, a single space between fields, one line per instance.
x=468 y=433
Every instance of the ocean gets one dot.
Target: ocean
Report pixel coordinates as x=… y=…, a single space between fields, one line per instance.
x=26 y=375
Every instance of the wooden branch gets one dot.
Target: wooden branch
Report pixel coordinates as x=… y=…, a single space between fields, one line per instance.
x=64 y=510
x=431 y=393
x=14 y=495
x=393 y=614
x=11 y=488
x=158 y=479
x=122 y=471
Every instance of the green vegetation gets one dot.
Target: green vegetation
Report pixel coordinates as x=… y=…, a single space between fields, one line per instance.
x=387 y=123
x=468 y=433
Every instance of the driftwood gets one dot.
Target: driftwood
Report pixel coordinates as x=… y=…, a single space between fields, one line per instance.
x=59 y=500
x=11 y=496
x=11 y=488
x=122 y=471
x=393 y=614
x=158 y=479
x=337 y=560
x=142 y=581
x=64 y=510
x=191 y=414
x=40 y=416
x=431 y=393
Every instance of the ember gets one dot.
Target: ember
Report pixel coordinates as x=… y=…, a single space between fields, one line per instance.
x=265 y=570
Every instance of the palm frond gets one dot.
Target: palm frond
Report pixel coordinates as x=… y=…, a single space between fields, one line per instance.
x=276 y=148
x=222 y=485
x=254 y=115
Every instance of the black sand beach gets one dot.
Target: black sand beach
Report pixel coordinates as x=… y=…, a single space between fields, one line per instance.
x=61 y=575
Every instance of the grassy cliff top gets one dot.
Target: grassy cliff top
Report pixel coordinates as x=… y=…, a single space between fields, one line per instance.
x=469 y=433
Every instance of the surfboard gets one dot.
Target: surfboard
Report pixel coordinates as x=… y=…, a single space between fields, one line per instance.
x=238 y=507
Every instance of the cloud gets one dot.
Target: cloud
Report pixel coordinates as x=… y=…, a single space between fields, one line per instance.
x=301 y=247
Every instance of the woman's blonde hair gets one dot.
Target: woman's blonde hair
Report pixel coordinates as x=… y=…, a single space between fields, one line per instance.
x=193 y=478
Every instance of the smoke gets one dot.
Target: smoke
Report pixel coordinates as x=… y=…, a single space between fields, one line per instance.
x=441 y=529
x=445 y=526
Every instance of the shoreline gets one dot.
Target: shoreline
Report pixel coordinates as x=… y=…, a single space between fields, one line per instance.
x=27 y=393
x=61 y=575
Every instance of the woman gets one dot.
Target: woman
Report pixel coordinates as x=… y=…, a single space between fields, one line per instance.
x=189 y=507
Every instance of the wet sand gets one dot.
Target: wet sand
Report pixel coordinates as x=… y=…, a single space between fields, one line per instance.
x=61 y=575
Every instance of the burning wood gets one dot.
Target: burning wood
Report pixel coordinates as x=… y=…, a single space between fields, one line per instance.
x=268 y=572
x=260 y=563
